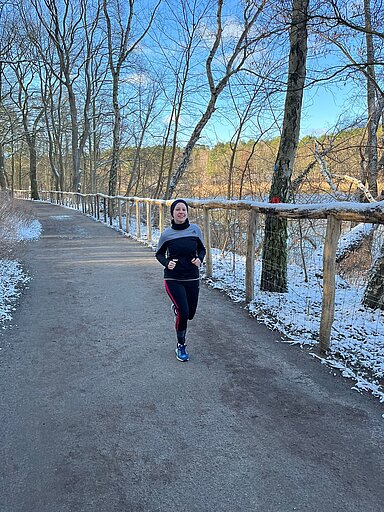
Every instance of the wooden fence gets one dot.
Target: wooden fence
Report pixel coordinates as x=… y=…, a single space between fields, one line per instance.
x=106 y=208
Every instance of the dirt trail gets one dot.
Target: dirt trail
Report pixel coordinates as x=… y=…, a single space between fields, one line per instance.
x=98 y=416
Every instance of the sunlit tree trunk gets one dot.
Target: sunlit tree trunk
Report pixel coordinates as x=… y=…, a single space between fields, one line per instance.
x=274 y=266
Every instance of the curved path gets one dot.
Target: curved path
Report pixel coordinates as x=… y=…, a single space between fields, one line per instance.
x=98 y=416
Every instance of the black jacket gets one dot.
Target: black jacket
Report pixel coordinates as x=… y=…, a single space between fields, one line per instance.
x=182 y=243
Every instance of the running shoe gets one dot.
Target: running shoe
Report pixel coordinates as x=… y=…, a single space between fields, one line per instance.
x=181 y=353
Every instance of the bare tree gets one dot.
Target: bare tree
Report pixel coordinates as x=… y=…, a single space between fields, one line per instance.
x=370 y=161
x=122 y=42
x=189 y=17
x=3 y=176
x=362 y=21
x=31 y=110
x=6 y=40
x=361 y=62
x=243 y=49
x=66 y=25
x=146 y=116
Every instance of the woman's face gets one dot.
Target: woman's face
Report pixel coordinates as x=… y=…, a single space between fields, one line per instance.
x=180 y=213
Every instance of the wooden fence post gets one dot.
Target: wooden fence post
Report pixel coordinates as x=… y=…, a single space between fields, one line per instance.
x=329 y=279
x=138 y=231
x=111 y=209
x=161 y=217
x=149 y=222
x=97 y=206
x=207 y=240
x=127 y=216
x=253 y=224
x=92 y=205
x=120 y=215
x=105 y=209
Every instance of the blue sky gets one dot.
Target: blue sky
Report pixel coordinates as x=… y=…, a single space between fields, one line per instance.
x=324 y=106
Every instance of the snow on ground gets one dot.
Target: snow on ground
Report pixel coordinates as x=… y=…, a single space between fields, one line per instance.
x=12 y=275
x=357 y=340
x=26 y=231
x=12 y=278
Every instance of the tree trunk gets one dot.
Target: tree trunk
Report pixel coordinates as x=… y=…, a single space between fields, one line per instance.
x=76 y=175
x=274 y=266
x=371 y=156
x=374 y=292
x=116 y=138
x=33 y=167
x=3 y=176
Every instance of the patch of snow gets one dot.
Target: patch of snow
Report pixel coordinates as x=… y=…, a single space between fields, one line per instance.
x=12 y=278
x=28 y=231
x=12 y=275
x=61 y=217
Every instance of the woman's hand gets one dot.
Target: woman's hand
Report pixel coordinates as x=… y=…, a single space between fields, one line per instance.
x=197 y=262
x=172 y=264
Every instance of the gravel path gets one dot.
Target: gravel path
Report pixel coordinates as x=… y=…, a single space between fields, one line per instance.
x=98 y=416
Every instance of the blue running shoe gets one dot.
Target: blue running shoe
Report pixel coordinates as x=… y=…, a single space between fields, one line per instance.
x=181 y=353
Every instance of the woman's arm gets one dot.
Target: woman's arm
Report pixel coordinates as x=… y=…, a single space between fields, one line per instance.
x=161 y=255
x=200 y=249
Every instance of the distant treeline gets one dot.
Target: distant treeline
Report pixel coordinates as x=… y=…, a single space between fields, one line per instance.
x=330 y=163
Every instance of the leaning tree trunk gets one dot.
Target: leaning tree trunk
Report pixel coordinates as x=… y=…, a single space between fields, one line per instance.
x=274 y=267
x=189 y=147
x=374 y=292
x=234 y=65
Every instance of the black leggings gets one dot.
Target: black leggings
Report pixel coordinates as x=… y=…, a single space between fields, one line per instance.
x=184 y=295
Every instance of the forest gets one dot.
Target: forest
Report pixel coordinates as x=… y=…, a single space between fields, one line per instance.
x=130 y=97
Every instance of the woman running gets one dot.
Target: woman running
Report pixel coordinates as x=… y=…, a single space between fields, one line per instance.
x=181 y=251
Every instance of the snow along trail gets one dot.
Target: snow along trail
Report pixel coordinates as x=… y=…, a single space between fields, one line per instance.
x=12 y=275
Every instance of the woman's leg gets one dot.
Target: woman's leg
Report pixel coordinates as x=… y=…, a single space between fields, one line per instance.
x=178 y=296
x=192 y=289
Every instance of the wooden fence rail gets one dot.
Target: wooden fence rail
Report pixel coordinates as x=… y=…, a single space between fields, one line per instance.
x=108 y=207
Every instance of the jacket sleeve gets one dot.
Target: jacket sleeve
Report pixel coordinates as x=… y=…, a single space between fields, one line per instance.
x=162 y=251
x=200 y=247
